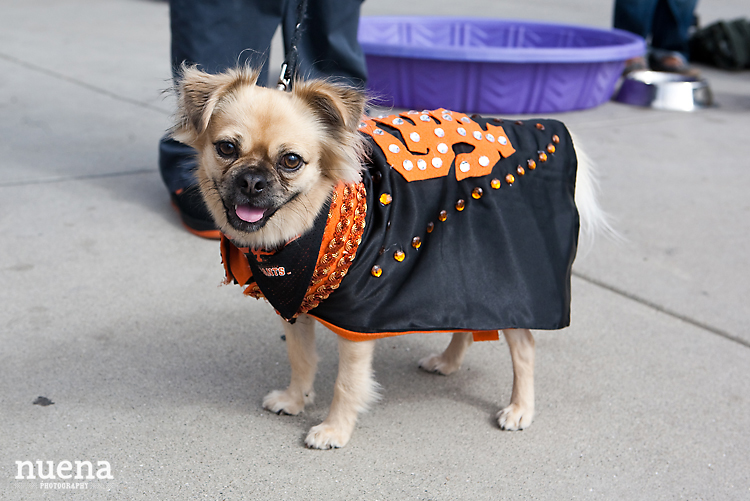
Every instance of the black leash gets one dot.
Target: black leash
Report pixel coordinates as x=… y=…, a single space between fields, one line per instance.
x=289 y=68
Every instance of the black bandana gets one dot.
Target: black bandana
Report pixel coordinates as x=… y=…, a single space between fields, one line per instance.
x=284 y=275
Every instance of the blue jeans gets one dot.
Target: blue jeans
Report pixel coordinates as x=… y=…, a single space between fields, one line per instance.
x=664 y=22
x=220 y=34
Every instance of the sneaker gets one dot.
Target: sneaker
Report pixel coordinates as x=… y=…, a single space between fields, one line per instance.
x=672 y=62
x=188 y=202
x=635 y=64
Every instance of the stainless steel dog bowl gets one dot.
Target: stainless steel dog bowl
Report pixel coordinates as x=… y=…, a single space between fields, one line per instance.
x=664 y=91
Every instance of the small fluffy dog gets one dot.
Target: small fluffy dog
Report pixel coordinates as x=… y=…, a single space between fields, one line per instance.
x=420 y=222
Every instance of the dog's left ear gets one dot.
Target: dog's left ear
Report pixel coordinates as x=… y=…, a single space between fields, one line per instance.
x=198 y=94
x=337 y=106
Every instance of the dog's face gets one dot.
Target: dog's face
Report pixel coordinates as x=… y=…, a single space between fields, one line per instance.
x=268 y=159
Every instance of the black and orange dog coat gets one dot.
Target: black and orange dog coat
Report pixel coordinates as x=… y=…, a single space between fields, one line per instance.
x=459 y=224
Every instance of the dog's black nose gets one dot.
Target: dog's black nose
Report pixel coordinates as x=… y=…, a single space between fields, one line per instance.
x=251 y=184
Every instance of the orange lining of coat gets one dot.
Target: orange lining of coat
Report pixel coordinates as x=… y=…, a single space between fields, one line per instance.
x=360 y=336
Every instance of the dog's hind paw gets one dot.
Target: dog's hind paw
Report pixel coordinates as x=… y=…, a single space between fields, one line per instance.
x=285 y=402
x=325 y=436
x=515 y=417
x=437 y=365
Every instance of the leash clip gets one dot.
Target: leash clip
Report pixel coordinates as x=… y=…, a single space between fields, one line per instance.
x=289 y=67
x=285 y=80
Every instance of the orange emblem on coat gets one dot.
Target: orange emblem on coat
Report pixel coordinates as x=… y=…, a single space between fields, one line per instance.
x=426 y=151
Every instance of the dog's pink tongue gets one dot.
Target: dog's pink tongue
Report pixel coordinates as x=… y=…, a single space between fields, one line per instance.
x=249 y=213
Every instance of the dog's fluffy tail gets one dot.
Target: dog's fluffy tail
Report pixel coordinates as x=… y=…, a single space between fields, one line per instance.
x=594 y=221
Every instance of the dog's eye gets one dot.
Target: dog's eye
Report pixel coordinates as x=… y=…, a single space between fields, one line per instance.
x=225 y=149
x=290 y=161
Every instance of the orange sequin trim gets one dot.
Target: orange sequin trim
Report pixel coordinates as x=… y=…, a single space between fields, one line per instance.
x=343 y=234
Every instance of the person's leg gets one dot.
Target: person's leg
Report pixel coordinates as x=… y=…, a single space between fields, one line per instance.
x=328 y=46
x=672 y=21
x=219 y=34
x=635 y=16
x=669 y=43
x=213 y=35
x=664 y=24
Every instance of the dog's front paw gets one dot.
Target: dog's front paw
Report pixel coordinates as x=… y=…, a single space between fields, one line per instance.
x=325 y=436
x=286 y=402
x=515 y=417
x=438 y=365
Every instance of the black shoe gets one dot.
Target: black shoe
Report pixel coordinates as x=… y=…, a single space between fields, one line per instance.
x=188 y=202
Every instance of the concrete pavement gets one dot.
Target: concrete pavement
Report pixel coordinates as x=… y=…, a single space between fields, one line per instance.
x=113 y=312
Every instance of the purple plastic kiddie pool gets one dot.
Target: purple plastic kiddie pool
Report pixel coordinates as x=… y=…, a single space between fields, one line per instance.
x=492 y=66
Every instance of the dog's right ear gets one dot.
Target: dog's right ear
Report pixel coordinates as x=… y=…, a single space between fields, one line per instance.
x=338 y=107
x=198 y=94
